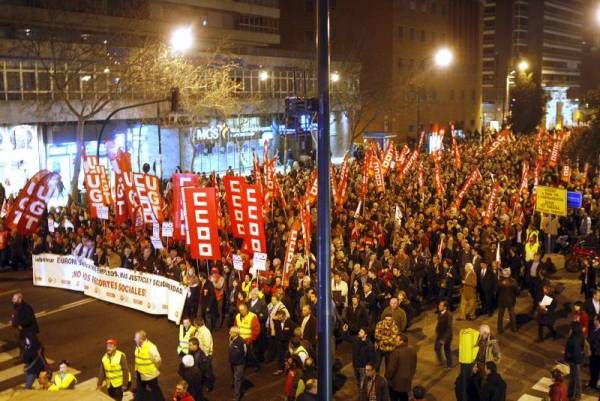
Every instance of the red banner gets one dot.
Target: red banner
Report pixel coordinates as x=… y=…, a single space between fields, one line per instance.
x=256 y=168
x=121 y=166
x=334 y=185
x=439 y=185
x=279 y=191
x=420 y=175
x=180 y=181
x=93 y=185
x=524 y=176
x=254 y=224
x=379 y=182
x=491 y=206
x=473 y=178
x=235 y=189
x=456 y=151
x=555 y=152
x=421 y=140
x=409 y=163
x=106 y=195
x=537 y=172
x=290 y=250
x=28 y=209
x=388 y=158
x=201 y=220
x=401 y=157
x=312 y=190
x=343 y=184
x=565 y=175
x=586 y=171
x=149 y=198
x=305 y=219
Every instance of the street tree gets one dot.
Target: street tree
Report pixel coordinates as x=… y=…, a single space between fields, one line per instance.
x=527 y=105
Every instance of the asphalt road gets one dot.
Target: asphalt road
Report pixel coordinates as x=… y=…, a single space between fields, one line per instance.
x=74 y=327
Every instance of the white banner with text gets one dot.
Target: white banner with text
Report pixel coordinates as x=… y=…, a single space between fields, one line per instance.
x=145 y=292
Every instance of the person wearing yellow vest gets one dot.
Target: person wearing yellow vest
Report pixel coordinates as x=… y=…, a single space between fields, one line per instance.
x=63 y=380
x=186 y=331
x=249 y=326
x=531 y=248
x=114 y=371
x=147 y=362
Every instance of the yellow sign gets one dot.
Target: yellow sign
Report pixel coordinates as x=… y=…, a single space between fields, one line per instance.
x=551 y=200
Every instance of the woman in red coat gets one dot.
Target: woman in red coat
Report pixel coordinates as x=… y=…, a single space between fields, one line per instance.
x=581 y=316
x=558 y=389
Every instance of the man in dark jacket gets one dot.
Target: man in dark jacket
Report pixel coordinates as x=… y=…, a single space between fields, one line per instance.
x=443 y=334
x=208 y=302
x=546 y=314
x=33 y=360
x=487 y=282
x=400 y=370
x=23 y=318
x=592 y=306
x=508 y=290
x=355 y=315
x=374 y=387
x=588 y=280
x=284 y=329
x=237 y=360
x=594 y=340
x=493 y=387
x=192 y=376
x=363 y=351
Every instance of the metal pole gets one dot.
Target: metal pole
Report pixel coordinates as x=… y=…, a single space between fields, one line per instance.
x=159 y=144
x=417 y=128
x=324 y=364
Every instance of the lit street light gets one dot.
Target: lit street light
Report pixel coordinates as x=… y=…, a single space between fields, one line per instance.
x=443 y=57
x=182 y=39
x=335 y=76
x=263 y=75
x=598 y=15
x=523 y=65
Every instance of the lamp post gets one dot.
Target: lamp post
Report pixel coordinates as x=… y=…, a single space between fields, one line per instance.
x=522 y=67
x=442 y=59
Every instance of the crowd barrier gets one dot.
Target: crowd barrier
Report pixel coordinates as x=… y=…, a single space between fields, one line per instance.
x=145 y=292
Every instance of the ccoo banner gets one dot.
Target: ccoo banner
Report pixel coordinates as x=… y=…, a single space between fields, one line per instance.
x=145 y=292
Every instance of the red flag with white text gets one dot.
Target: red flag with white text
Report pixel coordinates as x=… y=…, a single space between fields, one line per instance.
x=235 y=190
x=148 y=195
x=254 y=225
x=201 y=220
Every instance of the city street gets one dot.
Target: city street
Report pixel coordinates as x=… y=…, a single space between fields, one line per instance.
x=73 y=327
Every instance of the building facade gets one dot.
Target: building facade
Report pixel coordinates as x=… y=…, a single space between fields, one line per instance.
x=395 y=42
x=548 y=34
x=30 y=108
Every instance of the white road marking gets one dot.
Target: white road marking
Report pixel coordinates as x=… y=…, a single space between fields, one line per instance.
x=57 y=310
x=9 y=355
x=543 y=385
x=527 y=397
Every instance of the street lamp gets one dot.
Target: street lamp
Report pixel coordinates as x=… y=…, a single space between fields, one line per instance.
x=598 y=15
x=182 y=39
x=523 y=65
x=263 y=75
x=335 y=76
x=442 y=59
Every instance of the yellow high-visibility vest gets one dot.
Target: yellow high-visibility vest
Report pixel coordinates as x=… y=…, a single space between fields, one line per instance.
x=245 y=324
x=143 y=361
x=184 y=339
x=467 y=345
x=531 y=250
x=62 y=383
x=113 y=369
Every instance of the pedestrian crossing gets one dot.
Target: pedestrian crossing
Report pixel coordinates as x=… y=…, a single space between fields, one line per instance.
x=12 y=371
x=91 y=384
x=539 y=391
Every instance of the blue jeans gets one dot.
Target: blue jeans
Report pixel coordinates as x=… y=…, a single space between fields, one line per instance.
x=29 y=379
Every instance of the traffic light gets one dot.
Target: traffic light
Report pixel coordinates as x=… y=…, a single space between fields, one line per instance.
x=174 y=100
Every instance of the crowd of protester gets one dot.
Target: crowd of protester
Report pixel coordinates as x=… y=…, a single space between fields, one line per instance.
x=385 y=271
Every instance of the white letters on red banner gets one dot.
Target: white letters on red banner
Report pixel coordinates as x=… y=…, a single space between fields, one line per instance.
x=290 y=250
x=201 y=220
x=234 y=191
x=148 y=193
x=253 y=217
x=180 y=181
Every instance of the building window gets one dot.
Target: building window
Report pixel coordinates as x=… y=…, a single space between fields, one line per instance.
x=400 y=32
x=422 y=36
x=310 y=5
x=434 y=8
x=412 y=33
x=412 y=4
x=332 y=5
x=444 y=11
x=424 y=6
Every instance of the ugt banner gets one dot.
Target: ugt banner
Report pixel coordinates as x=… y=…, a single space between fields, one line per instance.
x=145 y=292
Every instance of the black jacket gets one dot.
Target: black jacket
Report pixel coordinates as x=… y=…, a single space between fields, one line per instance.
x=574 y=349
x=379 y=387
x=508 y=290
x=285 y=332
x=548 y=316
x=362 y=351
x=24 y=316
x=443 y=328
x=33 y=357
x=237 y=351
x=594 y=340
x=493 y=388
x=193 y=377
x=356 y=318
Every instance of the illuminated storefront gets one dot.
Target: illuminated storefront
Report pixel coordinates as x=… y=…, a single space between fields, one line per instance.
x=19 y=155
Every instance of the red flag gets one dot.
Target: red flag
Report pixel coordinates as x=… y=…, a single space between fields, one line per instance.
x=537 y=172
x=290 y=250
x=256 y=167
x=406 y=168
x=235 y=190
x=121 y=165
x=555 y=151
x=524 y=176
x=365 y=177
x=254 y=225
x=491 y=206
x=201 y=220
x=421 y=140
x=279 y=191
x=28 y=209
x=388 y=158
x=93 y=185
x=421 y=175
x=333 y=182
x=180 y=181
x=343 y=184
x=312 y=190
x=401 y=157
x=149 y=197
x=586 y=170
x=439 y=185
x=565 y=175
x=456 y=151
x=306 y=227
x=379 y=181
x=473 y=178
